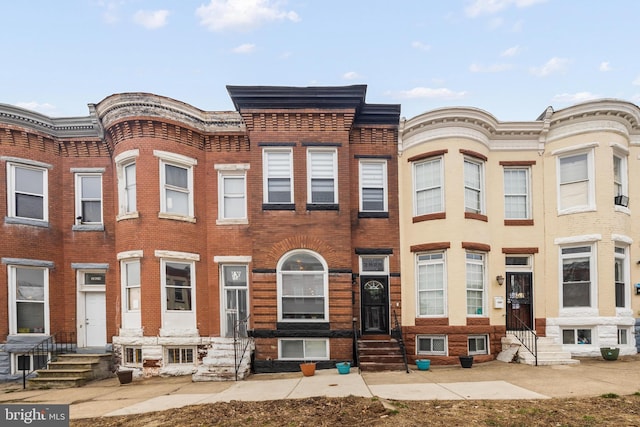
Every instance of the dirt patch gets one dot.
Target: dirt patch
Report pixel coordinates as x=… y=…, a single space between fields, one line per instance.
x=606 y=410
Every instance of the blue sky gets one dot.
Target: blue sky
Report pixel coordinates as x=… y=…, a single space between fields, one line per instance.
x=512 y=58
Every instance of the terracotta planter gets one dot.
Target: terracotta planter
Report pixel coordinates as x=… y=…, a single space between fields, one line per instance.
x=308 y=369
x=125 y=377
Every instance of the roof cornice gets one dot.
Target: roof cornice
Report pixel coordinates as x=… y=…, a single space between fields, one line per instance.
x=62 y=127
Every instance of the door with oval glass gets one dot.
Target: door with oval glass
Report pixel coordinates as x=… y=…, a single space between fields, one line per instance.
x=374 y=291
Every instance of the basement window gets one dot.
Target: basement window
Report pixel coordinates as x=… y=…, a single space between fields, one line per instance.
x=179 y=356
x=478 y=345
x=576 y=336
x=432 y=344
x=29 y=362
x=132 y=356
x=303 y=349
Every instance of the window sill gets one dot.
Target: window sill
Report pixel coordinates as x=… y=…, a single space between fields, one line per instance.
x=622 y=209
x=130 y=215
x=243 y=221
x=278 y=207
x=163 y=215
x=323 y=207
x=580 y=209
x=429 y=217
x=87 y=227
x=373 y=214
x=26 y=221
x=477 y=216
x=518 y=222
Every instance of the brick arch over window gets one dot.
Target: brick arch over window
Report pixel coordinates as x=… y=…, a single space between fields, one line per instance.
x=304 y=242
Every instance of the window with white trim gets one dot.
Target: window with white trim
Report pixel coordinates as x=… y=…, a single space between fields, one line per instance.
x=303 y=349
x=278 y=175
x=428 y=188
x=517 y=199
x=477 y=344
x=623 y=336
x=177 y=278
x=576 y=336
x=574 y=181
x=29 y=362
x=127 y=183
x=620 y=280
x=131 y=279
x=431 y=283
x=577 y=263
x=303 y=286
x=232 y=203
x=322 y=170
x=176 y=184
x=475 y=266
x=435 y=345
x=27 y=192
x=373 y=185
x=89 y=198
x=473 y=186
x=29 y=300
x=620 y=190
x=132 y=356
x=180 y=356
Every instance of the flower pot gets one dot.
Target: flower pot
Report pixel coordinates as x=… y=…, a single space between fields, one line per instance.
x=343 y=367
x=125 y=376
x=610 y=353
x=423 y=364
x=466 y=361
x=308 y=369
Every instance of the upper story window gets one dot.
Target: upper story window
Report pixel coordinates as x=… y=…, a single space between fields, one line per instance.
x=176 y=185
x=27 y=192
x=620 y=190
x=322 y=170
x=127 y=187
x=473 y=186
x=373 y=185
x=428 y=187
x=89 y=198
x=575 y=189
x=577 y=265
x=232 y=193
x=431 y=284
x=475 y=283
x=278 y=176
x=517 y=198
x=303 y=286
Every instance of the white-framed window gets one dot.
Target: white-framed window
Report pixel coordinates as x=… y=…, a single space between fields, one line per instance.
x=28 y=362
x=232 y=194
x=575 y=183
x=473 y=186
x=92 y=280
x=621 y=263
x=576 y=336
x=179 y=283
x=517 y=199
x=477 y=344
x=132 y=356
x=127 y=187
x=131 y=285
x=303 y=286
x=428 y=186
x=29 y=300
x=435 y=345
x=180 y=356
x=623 y=334
x=176 y=184
x=322 y=171
x=475 y=273
x=373 y=185
x=89 y=198
x=278 y=175
x=431 y=274
x=620 y=181
x=303 y=349
x=577 y=284
x=27 y=192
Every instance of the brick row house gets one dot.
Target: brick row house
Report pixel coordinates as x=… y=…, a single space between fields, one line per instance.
x=150 y=228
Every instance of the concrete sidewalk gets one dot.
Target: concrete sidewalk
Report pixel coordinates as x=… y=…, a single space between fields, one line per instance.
x=492 y=380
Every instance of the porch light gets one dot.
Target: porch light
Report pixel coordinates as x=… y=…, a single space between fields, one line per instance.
x=500 y=280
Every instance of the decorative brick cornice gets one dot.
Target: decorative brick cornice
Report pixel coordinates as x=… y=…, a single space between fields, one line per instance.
x=64 y=127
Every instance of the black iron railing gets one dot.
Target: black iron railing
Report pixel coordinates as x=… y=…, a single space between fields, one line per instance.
x=396 y=333
x=39 y=356
x=356 y=351
x=524 y=334
x=241 y=342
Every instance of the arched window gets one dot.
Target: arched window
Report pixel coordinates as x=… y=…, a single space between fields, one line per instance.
x=302 y=287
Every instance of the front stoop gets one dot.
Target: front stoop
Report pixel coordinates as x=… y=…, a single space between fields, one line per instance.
x=380 y=354
x=219 y=363
x=549 y=352
x=73 y=370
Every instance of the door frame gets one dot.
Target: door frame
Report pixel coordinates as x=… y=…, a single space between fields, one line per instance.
x=384 y=279
x=532 y=319
x=81 y=313
x=224 y=262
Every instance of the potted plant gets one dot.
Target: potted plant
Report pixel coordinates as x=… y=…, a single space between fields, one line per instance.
x=466 y=361
x=610 y=353
x=308 y=368
x=343 y=367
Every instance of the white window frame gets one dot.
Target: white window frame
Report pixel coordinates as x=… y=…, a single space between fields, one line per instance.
x=124 y=161
x=304 y=349
x=373 y=182
x=127 y=286
x=512 y=195
x=226 y=172
x=314 y=172
x=432 y=338
x=623 y=335
x=15 y=364
x=183 y=162
x=576 y=335
x=476 y=259
x=11 y=190
x=168 y=288
x=280 y=284
x=268 y=174
x=478 y=338
x=476 y=190
x=83 y=286
x=590 y=203
x=620 y=180
x=437 y=187
x=13 y=299
x=592 y=286
x=427 y=260
x=136 y=352
x=621 y=259
x=183 y=351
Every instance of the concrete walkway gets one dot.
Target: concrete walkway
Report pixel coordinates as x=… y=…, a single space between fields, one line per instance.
x=493 y=380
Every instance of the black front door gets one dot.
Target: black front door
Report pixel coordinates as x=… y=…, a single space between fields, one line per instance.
x=519 y=299
x=375 y=304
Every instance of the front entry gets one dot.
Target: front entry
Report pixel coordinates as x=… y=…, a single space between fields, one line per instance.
x=519 y=301
x=374 y=293
x=95 y=319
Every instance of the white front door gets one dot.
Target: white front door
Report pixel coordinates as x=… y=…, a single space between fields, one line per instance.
x=95 y=319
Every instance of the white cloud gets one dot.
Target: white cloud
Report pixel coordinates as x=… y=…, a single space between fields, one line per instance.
x=151 y=19
x=512 y=51
x=489 y=7
x=493 y=68
x=110 y=14
x=420 y=46
x=245 y=48
x=636 y=82
x=575 y=97
x=242 y=15
x=426 y=92
x=351 y=75
x=44 y=108
x=552 y=66
x=605 y=66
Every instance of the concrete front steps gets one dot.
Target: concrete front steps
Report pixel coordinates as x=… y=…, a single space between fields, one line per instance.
x=73 y=370
x=219 y=363
x=549 y=352
x=379 y=353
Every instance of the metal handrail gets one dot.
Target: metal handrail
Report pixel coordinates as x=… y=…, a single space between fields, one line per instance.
x=46 y=351
x=356 y=350
x=396 y=333
x=527 y=336
x=241 y=341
